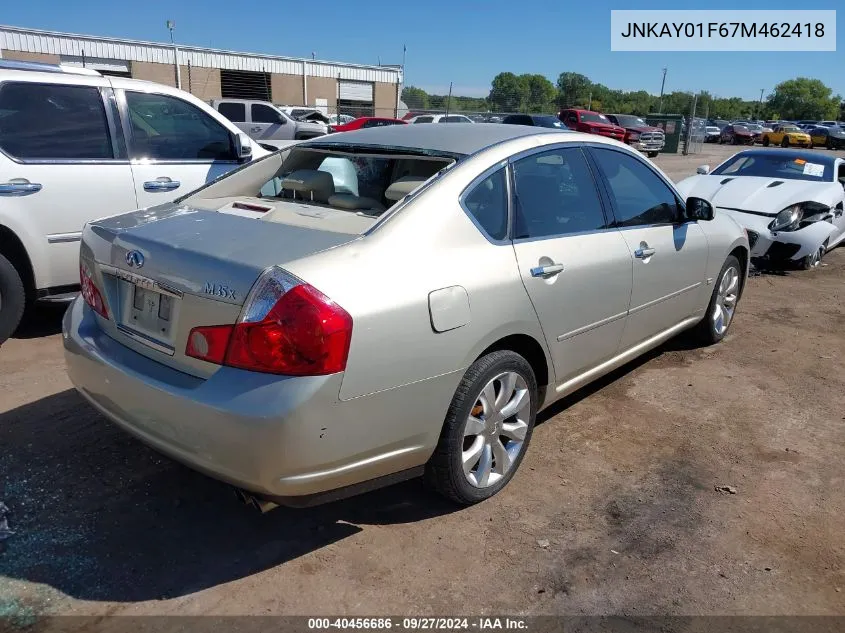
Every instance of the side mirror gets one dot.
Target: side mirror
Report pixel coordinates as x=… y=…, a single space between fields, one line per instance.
x=243 y=146
x=699 y=209
x=703 y=170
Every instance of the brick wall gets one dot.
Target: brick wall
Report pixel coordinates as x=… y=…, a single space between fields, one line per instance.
x=323 y=88
x=204 y=82
x=31 y=57
x=151 y=71
x=385 y=99
x=286 y=89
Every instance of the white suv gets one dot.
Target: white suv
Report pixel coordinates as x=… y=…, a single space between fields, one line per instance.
x=76 y=146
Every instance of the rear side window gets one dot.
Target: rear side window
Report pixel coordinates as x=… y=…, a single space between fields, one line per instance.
x=168 y=128
x=487 y=203
x=640 y=195
x=233 y=111
x=265 y=114
x=423 y=119
x=556 y=195
x=49 y=121
x=455 y=119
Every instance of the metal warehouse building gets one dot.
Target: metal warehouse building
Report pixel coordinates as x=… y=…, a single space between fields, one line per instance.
x=347 y=88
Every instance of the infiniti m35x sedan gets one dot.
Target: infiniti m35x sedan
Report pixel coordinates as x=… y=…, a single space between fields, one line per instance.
x=369 y=306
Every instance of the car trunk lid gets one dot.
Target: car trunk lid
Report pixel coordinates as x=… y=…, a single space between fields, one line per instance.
x=167 y=270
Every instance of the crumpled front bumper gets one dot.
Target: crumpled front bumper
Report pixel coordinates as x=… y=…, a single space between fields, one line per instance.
x=781 y=245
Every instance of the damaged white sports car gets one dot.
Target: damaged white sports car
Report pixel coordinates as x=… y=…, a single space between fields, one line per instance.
x=789 y=201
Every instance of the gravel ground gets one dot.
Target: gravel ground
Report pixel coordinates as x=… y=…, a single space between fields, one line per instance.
x=615 y=510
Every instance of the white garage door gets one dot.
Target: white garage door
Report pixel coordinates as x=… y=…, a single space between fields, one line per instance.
x=355 y=91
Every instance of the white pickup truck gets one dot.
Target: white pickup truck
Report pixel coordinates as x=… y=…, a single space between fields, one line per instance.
x=76 y=146
x=264 y=121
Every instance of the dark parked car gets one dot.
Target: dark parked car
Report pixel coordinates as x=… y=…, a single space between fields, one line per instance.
x=537 y=120
x=737 y=135
x=830 y=137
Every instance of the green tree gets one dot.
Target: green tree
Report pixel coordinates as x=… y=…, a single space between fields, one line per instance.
x=804 y=98
x=415 y=98
x=508 y=93
x=541 y=93
x=573 y=89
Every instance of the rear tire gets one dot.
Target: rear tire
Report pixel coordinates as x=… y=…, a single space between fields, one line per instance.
x=765 y=141
x=785 y=142
x=12 y=299
x=723 y=303
x=492 y=415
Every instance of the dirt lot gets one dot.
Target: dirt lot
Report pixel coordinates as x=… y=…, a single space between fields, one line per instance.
x=614 y=511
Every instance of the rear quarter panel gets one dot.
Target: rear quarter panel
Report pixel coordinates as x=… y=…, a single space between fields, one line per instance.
x=385 y=279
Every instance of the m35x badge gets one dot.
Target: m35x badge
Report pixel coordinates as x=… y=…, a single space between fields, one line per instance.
x=219 y=290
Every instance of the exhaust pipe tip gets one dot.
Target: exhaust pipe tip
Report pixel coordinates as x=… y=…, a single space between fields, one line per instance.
x=262 y=505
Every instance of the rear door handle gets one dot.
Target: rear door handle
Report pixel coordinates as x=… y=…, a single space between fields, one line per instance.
x=644 y=252
x=162 y=184
x=19 y=187
x=257 y=128
x=547 y=271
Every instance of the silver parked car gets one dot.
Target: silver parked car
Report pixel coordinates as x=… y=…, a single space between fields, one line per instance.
x=389 y=302
x=266 y=122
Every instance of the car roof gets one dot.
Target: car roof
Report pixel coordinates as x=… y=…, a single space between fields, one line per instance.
x=457 y=138
x=815 y=157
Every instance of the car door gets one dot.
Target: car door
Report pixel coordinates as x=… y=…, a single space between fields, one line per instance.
x=63 y=163
x=174 y=146
x=575 y=267
x=670 y=255
x=235 y=111
x=270 y=124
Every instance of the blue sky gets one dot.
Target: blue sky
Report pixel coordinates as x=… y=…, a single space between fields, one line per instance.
x=462 y=42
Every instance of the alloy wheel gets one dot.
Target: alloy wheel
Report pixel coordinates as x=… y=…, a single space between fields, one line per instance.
x=495 y=430
x=726 y=300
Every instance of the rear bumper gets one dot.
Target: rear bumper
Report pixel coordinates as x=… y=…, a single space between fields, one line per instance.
x=277 y=436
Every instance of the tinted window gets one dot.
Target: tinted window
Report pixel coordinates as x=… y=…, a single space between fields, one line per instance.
x=423 y=119
x=488 y=204
x=168 y=128
x=518 y=119
x=378 y=123
x=455 y=119
x=233 y=111
x=640 y=195
x=39 y=121
x=556 y=195
x=264 y=114
x=546 y=121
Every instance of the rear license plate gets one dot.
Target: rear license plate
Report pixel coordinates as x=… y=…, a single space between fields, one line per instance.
x=148 y=312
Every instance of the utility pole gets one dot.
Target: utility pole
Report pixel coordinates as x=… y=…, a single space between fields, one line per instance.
x=590 y=100
x=662 y=85
x=760 y=109
x=449 y=99
x=170 y=26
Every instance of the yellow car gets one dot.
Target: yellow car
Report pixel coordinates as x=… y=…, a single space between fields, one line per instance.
x=786 y=135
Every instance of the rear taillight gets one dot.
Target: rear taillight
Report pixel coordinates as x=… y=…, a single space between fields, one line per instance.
x=91 y=293
x=286 y=327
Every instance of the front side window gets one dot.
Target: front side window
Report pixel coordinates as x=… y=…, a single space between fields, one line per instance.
x=487 y=202
x=423 y=119
x=262 y=113
x=641 y=197
x=168 y=128
x=53 y=122
x=556 y=195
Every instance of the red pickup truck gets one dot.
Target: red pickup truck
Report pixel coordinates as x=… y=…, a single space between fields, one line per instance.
x=591 y=123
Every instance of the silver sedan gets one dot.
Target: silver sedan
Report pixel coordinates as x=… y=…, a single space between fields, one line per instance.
x=392 y=302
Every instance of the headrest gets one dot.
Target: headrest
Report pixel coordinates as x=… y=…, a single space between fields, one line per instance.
x=312 y=184
x=403 y=187
x=354 y=203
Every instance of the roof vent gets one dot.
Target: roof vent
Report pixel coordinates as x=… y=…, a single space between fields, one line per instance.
x=774 y=184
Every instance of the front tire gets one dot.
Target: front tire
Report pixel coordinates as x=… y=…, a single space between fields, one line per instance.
x=487 y=429
x=785 y=142
x=765 y=141
x=813 y=260
x=723 y=303
x=12 y=299
x=653 y=154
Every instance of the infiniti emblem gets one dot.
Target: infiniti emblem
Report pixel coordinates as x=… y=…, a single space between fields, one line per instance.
x=135 y=259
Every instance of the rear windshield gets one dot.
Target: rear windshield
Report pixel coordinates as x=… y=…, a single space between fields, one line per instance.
x=774 y=166
x=350 y=182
